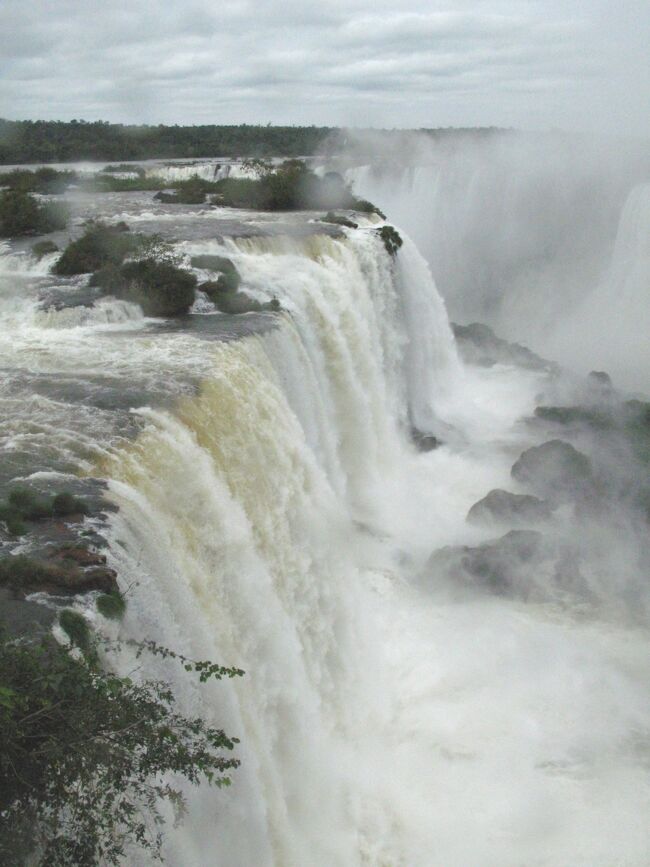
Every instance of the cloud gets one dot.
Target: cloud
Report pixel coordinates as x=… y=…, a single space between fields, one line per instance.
x=538 y=64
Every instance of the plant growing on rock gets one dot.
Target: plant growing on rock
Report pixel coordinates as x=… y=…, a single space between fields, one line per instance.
x=22 y=214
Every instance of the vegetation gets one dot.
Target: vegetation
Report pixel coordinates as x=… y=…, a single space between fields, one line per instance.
x=25 y=504
x=44 y=248
x=331 y=217
x=161 y=289
x=86 y=756
x=291 y=186
x=22 y=214
x=99 y=246
x=57 y=141
x=391 y=238
x=111 y=605
x=44 y=180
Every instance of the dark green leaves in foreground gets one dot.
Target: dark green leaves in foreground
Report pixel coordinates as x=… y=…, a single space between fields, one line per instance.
x=86 y=756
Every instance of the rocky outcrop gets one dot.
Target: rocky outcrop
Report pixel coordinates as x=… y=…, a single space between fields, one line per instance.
x=504 y=507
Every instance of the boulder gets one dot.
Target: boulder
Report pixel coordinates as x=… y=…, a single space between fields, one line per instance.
x=502 y=566
x=504 y=507
x=554 y=469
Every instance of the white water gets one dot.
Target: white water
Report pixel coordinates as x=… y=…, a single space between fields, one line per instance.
x=618 y=308
x=276 y=522
x=278 y=519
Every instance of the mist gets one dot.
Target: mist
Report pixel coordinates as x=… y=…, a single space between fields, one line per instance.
x=543 y=236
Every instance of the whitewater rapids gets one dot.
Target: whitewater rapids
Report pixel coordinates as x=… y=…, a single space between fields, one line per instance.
x=275 y=516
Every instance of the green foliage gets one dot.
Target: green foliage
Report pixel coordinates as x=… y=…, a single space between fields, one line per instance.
x=66 y=504
x=15 y=526
x=21 y=214
x=391 y=238
x=100 y=245
x=29 y=504
x=111 y=605
x=365 y=207
x=190 y=192
x=161 y=289
x=86 y=755
x=43 y=248
x=44 y=180
x=76 y=628
x=57 y=141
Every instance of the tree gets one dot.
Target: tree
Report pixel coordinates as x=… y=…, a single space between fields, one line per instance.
x=86 y=756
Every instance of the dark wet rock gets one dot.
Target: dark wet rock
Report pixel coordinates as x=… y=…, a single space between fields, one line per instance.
x=478 y=344
x=600 y=378
x=339 y=220
x=239 y=302
x=61 y=298
x=504 y=507
x=424 y=442
x=44 y=248
x=502 y=565
x=593 y=417
x=23 y=617
x=79 y=554
x=24 y=575
x=555 y=469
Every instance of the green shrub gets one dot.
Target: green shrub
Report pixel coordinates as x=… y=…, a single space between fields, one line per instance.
x=66 y=504
x=43 y=248
x=15 y=526
x=21 y=214
x=366 y=207
x=159 y=288
x=391 y=238
x=45 y=180
x=29 y=504
x=87 y=756
x=331 y=217
x=100 y=245
x=111 y=605
x=76 y=628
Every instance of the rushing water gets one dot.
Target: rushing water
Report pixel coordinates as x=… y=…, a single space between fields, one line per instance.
x=274 y=515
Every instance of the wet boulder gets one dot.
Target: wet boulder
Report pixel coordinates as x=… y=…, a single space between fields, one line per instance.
x=65 y=577
x=424 y=442
x=504 y=507
x=555 y=470
x=503 y=566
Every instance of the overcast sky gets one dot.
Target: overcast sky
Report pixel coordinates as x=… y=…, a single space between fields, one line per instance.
x=574 y=64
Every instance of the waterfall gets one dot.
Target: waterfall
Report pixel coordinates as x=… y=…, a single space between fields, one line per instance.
x=617 y=306
x=247 y=519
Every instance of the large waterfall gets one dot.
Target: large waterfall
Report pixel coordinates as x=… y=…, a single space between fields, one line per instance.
x=273 y=513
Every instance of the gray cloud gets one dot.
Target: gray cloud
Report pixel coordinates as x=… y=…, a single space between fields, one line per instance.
x=575 y=64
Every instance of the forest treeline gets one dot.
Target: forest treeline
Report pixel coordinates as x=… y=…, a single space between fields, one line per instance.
x=41 y=141
x=49 y=141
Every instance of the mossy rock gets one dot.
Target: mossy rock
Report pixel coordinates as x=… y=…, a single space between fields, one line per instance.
x=331 y=217
x=111 y=605
x=43 y=248
x=554 y=468
x=391 y=239
x=229 y=278
x=28 y=504
x=65 y=504
x=237 y=302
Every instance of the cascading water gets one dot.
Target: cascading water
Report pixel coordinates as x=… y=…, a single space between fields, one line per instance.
x=274 y=515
